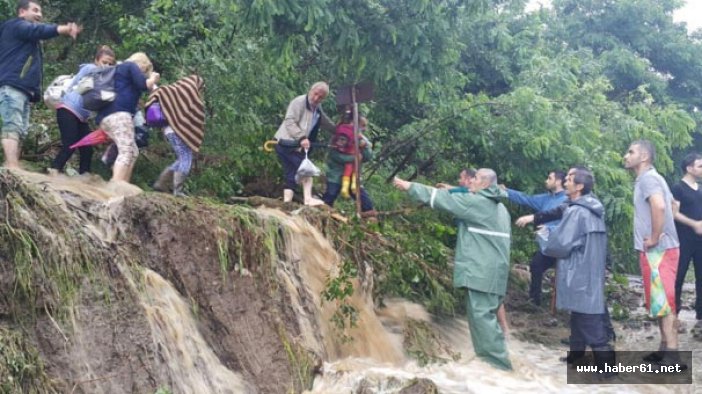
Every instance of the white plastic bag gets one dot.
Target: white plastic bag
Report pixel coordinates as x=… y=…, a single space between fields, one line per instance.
x=306 y=169
x=56 y=90
x=84 y=84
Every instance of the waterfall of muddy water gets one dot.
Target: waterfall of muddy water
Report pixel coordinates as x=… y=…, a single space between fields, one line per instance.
x=310 y=260
x=536 y=367
x=192 y=366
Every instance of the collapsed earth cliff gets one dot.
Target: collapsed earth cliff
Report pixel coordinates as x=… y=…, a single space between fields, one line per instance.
x=104 y=289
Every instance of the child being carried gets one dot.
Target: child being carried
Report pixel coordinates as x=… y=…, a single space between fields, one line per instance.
x=343 y=142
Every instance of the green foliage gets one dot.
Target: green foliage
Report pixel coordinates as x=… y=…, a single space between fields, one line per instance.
x=44 y=270
x=619 y=312
x=301 y=362
x=7 y=9
x=457 y=84
x=216 y=181
x=21 y=368
x=339 y=289
x=419 y=267
x=422 y=343
x=635 y=29
x=621 y=279
x=406 y=42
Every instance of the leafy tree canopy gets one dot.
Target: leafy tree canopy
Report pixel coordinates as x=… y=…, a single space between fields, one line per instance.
x=457 y=83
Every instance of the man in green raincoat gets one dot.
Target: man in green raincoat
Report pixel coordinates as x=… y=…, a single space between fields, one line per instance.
x=481 y=263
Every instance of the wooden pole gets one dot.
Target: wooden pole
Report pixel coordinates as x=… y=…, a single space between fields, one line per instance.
x=356 y=159
x=553 y=293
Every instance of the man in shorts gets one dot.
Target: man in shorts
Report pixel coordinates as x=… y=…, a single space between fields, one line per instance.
x=21 y=71
x=656 y=240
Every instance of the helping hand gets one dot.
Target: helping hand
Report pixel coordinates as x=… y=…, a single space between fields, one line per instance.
x=401 y=184
x=524 y=220
x=74 y=29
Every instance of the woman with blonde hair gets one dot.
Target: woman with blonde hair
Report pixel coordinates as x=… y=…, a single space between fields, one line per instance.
x=132 y=78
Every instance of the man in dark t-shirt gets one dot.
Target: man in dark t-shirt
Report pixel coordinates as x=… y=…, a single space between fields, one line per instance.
x=688 y=222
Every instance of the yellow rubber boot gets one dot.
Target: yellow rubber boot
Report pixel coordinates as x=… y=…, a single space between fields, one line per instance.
x=345 y=183
x=353 y=184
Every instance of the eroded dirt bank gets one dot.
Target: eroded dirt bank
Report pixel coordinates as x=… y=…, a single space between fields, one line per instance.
x=114 y=292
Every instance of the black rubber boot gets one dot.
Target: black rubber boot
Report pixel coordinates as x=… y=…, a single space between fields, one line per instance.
x=573 y=356
x=671 y=358
x=654 y=356
x=605 y=357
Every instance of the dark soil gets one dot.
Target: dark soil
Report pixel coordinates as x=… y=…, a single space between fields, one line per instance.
x=529 y=322
x=242 y=317
x=105 y=344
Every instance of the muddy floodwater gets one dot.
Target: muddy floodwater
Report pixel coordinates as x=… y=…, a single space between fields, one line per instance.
x=537 y=368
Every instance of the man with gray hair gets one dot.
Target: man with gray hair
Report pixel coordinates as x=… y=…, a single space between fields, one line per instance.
x=656 y=240
x=481 y=262
x=579 y=242
x=296 y=134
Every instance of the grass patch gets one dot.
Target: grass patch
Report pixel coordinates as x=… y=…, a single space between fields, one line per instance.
x=21 y=368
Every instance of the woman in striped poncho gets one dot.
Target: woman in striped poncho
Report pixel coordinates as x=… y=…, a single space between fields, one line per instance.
x=183 y=108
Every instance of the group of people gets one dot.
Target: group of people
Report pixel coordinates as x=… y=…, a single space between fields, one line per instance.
x=573 y=238
x=572 y=235
x=181 y=103
x=667 y=224
x=296 y=137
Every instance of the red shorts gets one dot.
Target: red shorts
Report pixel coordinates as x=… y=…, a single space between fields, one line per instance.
x=659 y=268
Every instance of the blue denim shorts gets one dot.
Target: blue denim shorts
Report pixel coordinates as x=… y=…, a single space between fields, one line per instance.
x=14 y=110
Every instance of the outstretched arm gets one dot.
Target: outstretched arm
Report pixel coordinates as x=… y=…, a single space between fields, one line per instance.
x=69 y=29
x=443 y=186
x=524 y=220
x=326 y=124
x=549 y=215
x=455 y=204
x=535 y=202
